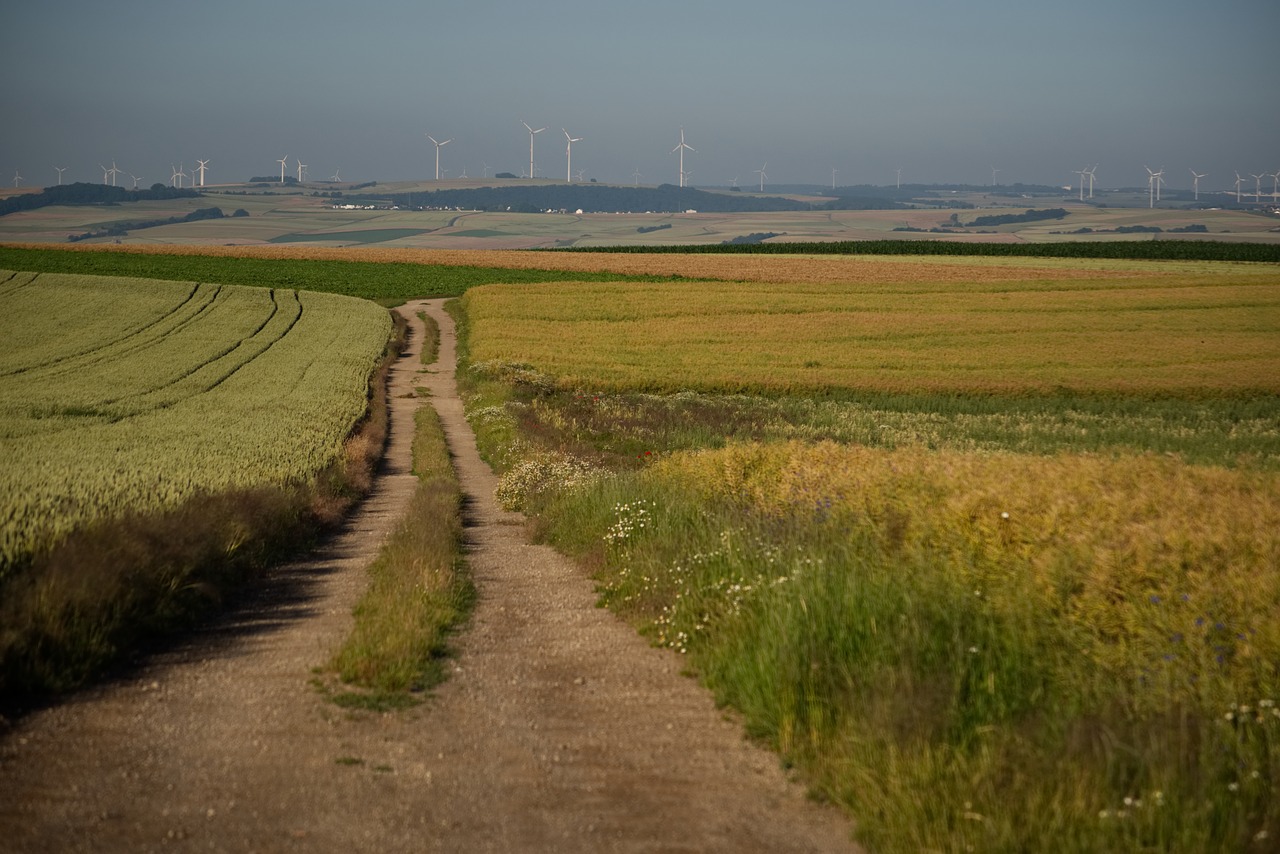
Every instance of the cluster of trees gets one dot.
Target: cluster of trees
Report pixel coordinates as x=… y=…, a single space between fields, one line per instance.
x=119 y=229
x=666 y=198
x=1008 y=219
x=81 y=193
x=1194 y=228
x=645 y=229
x=754 y=237
x=1165 y=250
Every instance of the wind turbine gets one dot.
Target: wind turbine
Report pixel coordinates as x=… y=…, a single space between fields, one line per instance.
x=60 y=169
x=834 y=170
x=1195 y=182
x=438 y=146
x=1275 y=182
x=680 y=148
x=733 y=182
x=136 y=179
x=899 y=177
x=1090 y=172
x=636 y=176
x=17 y=179
x=178 y=175
x=335 y=177
x=1081 y=173
x=568 y=155
x=204 y=164
x=1257 y=187
x=762 y=175
x=1154 y=180
x=486 y=168
x=1238 y=180
x=113 y=171
x=531 y=135
x=282 y=161
x=302 y=168
x=994 y=170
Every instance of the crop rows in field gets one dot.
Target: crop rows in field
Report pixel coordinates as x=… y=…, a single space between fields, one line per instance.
x=134 y=394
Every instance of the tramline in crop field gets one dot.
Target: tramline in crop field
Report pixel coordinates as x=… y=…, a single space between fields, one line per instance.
x=129 y=394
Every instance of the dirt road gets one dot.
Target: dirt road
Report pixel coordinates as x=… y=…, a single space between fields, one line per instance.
x=560 y=729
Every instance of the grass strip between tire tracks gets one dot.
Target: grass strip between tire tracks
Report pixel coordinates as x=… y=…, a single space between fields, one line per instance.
x=419 y=589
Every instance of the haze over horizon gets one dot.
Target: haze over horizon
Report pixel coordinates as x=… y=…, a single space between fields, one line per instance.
x=943 y=90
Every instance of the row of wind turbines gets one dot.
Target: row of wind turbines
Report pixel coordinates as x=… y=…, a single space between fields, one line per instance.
x=1155 y=179
x=109 y=174
x=681 y=147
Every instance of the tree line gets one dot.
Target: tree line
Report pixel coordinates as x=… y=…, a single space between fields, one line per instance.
x=82 y=193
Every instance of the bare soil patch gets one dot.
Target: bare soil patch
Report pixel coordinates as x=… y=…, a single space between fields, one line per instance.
x=559 y=730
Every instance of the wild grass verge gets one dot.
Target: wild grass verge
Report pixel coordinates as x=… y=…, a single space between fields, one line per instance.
x=970 y=645
x=419 y=590
x=112 y=586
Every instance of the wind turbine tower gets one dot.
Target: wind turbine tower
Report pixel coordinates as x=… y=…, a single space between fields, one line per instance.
x=282 y=161
x=1238 y=180
x=568 y=155
x=1090 y=172
x=532 y=133
x=1154 y=180
x=204 y=164
x=60 y=169
x=438 y=145
x=1257 y=187
x=762 y=175
x=302 y=169
x=834 y=170
x=1082 y=173
x=680 y=148
x=994 y=170
x=1195 y=183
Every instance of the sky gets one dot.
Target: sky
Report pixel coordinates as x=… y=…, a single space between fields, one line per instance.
x=946 y=92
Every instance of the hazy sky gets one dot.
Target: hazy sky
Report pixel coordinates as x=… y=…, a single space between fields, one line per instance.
x=943 y=90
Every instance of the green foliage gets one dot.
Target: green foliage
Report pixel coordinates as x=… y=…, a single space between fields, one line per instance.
x=1154 y=250
x=391 y=282
x=1008 y=219
x=121 y=228
x=81 y=193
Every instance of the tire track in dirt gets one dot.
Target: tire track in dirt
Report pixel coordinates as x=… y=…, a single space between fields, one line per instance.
x=560 y=729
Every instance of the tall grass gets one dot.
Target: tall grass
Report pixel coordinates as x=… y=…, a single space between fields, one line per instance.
x=996 y=652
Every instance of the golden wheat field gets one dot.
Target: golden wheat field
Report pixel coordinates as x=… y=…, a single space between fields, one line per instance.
x=1182 y=336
